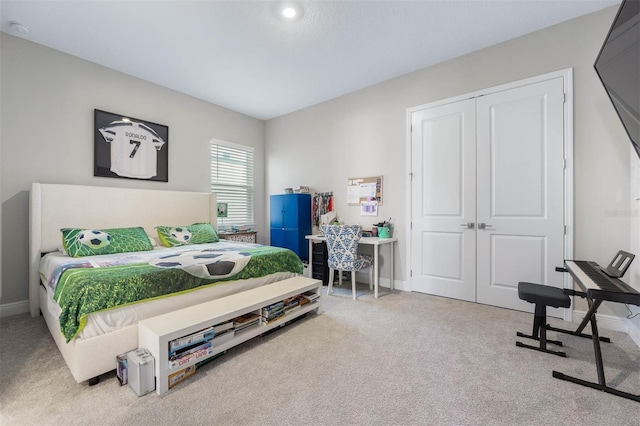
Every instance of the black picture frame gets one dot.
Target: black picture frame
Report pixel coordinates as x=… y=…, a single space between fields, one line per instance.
x=124 y=147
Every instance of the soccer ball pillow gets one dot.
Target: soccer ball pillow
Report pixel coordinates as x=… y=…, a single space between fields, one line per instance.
x=78 y=242
x=180 y=233
x=198 y=233
x=94 y=239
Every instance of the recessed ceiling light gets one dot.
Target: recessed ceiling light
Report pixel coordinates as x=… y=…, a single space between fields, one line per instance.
x=18 y=28
x=289 y=12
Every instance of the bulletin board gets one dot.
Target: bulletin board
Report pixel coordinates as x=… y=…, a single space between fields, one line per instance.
x=364 y=189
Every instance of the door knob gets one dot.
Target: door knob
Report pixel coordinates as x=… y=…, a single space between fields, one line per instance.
x=469 y=225
x=482 y=225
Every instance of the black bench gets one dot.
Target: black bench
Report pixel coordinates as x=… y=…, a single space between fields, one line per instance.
x=542 y=296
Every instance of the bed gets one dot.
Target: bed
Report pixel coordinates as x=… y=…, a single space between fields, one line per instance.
x=89 y=340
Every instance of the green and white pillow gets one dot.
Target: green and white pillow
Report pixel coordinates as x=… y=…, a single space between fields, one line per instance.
x=78 y=242
x=198 y=233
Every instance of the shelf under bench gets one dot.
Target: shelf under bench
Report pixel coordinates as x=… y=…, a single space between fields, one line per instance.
x=154 y=334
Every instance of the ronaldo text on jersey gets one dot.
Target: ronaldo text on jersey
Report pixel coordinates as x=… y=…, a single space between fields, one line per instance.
x=134 y=149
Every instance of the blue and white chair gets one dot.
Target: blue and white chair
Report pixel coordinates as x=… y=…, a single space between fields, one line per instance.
x=342 y=245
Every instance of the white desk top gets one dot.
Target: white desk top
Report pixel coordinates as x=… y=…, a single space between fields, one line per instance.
x=374 y=241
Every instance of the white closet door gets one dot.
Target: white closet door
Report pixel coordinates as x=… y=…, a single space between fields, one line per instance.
x=443 y=200
x=520 y=191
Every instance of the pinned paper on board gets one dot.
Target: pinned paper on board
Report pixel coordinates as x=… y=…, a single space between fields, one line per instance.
x=366 y=189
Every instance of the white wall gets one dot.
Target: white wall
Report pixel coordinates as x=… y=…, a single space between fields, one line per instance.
x=363 y=133
x=47 y=100
x=46 y=116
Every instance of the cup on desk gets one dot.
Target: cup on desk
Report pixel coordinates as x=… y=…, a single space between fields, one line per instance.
x=374 y=231
x=384 y=232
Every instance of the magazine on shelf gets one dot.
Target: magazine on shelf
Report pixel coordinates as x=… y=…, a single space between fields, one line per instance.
x=178 y=360
x=191 y=339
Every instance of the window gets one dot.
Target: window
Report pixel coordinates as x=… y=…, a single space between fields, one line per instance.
x=232 y=181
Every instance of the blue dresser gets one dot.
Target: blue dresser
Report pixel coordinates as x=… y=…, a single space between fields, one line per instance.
x=290 y=221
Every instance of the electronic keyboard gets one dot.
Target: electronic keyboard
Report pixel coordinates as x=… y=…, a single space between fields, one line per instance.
x=598 y=285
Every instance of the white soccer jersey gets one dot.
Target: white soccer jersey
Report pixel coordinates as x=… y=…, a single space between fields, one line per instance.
x=134 y=149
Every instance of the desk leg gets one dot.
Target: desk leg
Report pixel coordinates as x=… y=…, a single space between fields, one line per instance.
x=391 y=283
x=310 y=259
x=375 y=271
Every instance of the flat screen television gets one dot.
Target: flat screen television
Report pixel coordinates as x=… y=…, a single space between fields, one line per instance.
x=618 y=66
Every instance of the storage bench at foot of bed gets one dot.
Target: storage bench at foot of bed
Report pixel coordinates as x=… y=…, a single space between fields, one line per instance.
x=155 y=334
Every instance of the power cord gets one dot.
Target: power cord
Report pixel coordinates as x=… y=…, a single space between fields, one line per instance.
x=631 y=314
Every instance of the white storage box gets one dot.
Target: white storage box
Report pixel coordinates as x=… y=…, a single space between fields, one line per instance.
x=140 y=366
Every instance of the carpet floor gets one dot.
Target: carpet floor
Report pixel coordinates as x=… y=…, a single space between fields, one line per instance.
x=403 y=359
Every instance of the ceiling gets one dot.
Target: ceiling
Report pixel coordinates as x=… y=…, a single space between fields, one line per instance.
x=243 y=56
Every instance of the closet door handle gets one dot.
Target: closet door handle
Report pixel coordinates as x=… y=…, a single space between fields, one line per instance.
x=469 y=225
x=484 y=225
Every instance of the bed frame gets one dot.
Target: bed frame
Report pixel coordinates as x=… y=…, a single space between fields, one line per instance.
x=54 y=206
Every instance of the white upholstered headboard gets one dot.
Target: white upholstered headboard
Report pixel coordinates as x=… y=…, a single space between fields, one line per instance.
x=54 y=206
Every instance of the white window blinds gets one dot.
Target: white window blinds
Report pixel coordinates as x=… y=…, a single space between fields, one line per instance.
x=232 y=181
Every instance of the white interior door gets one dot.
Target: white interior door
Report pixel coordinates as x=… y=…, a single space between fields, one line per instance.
x=520 y=191
x=496 y=162
x=443 y=192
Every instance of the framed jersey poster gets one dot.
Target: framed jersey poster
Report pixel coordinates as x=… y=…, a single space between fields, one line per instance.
x=130 y=148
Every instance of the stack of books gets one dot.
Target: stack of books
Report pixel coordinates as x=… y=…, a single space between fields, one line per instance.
x=198 y=345
x=199 y=351
x=311 y=295
x=200 y=336
x=272 y=312
x=292 y=304
x=245 y=321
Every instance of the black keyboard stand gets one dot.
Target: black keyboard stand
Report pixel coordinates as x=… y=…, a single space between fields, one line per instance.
x=578 y=332
x=602 y=383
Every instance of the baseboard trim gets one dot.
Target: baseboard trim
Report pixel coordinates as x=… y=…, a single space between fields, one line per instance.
x=15 y=308
x=610 y=322
x=384 y=282
x=614 y=323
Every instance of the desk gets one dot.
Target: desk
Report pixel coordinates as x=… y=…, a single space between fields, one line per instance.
x=371 y=241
